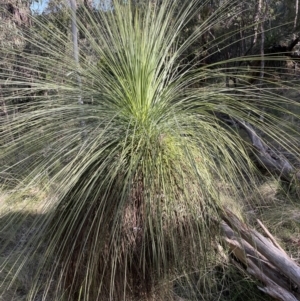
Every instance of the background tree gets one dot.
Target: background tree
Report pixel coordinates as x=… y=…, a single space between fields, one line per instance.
x=14 y=21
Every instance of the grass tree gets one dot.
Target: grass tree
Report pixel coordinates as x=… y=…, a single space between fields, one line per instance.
x=134 y=203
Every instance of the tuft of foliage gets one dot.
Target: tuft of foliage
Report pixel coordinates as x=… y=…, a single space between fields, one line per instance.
x=137 y=169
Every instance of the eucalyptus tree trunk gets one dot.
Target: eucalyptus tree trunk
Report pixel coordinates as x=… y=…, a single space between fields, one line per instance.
x=261 y=12
x=74 y=31
x=16 y=11
x=75 y=44
x=76 y=58
x=296 y=14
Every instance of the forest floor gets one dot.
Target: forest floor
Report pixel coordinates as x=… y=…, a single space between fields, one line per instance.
x=273 y=203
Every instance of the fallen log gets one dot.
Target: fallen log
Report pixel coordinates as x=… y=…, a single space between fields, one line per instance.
x=266 y=248
x=269 y=158
x=264 y=260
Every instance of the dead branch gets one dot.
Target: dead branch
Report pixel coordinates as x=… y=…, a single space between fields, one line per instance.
x=280 y=260
x=268 y=158
x=261 y=259
x=271 y=237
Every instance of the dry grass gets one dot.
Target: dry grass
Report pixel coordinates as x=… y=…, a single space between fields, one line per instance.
x=279 y=211
x=17 y=224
